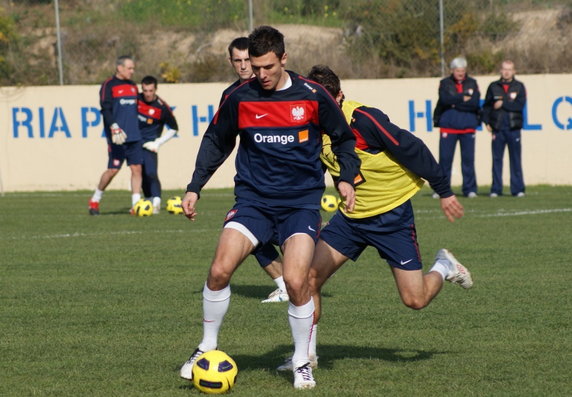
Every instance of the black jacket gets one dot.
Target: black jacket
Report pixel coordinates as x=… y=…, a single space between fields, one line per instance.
x=510 y=114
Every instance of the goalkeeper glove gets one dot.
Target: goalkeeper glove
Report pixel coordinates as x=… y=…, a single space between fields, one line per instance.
x=118 y=136
x=153 y=146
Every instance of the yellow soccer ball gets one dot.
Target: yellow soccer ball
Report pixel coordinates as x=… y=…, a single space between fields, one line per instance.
x=174 y=205
x=214 y=372
x=143 y=208
x=329 y=202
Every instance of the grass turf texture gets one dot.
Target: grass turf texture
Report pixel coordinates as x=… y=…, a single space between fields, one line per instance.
x=111 y=305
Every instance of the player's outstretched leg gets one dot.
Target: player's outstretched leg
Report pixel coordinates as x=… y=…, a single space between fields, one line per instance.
x=458 y=274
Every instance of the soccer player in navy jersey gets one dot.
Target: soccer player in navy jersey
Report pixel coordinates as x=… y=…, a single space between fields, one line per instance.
x=267 y=256
x=118 y=100
x=154 y=114
x=393 y=161
x=279 y=181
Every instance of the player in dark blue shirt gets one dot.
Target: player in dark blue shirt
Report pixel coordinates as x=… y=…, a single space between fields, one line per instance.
x=154 y=114
x=267 y=256
x=118 y=100
x=279 y=182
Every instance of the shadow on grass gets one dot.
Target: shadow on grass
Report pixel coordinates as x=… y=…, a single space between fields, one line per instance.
x=329 y=354
x=257 y=291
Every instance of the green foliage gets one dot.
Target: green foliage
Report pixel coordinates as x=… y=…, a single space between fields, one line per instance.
x=8 y=40
x=498 y=25
x=111 y=305
x=317 y=12
x=184 y=14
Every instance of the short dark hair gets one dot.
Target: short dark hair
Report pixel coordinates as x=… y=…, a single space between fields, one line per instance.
x=149 y=80
x=121 y=59
x=240 y=43
x=325 y=76
x=265 y=39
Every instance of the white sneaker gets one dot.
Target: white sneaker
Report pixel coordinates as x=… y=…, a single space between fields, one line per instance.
x=287 y=364
x=303 y=378
x=277 y=296
x=472 y=195
x=493 y=195
x=156 y=209
x=458 y=274
x=520 y=194
x=187 y=368
x=435 y=196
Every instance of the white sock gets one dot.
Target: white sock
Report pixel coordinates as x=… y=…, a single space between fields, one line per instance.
x=280 y=283
x=215 y=306
x=135 y=197
x=156 y=201
x=313 y=339
x=301 y=319
x=442 y=268
x=97 y=195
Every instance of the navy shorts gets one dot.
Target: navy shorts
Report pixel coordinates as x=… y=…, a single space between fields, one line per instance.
x=275 y=225
x=130 y=151
x=265 y=254
x=392 y=234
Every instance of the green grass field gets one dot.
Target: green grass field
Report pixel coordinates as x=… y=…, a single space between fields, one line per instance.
x=111 y=305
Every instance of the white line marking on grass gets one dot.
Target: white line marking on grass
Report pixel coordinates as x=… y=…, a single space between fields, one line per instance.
x=427 y=213
x=526 y=212
x=95 y=234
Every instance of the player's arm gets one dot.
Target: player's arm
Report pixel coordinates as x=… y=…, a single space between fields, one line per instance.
x=488 y=106
x=516 y=105
x=333 y=122
x=167 y=120
x=473 y=104
x=217 y=144
x=448 y=93
x=380 y=134
x=106 y=103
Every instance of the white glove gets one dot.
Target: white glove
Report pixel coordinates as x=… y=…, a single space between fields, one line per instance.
x=118 y=136
x=153 y=146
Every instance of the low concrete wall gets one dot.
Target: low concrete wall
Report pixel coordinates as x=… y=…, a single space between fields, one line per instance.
x=51 y=137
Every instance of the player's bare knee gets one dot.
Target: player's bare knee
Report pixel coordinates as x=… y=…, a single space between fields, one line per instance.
x=219 y=277
x=414 y=302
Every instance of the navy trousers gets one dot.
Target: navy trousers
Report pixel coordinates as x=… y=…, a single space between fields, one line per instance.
x=512 y=140
x=447 y=145
x=151 y=184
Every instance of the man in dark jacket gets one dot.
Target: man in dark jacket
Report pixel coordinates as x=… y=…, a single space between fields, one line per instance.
x=457 y=115
x=502 y=114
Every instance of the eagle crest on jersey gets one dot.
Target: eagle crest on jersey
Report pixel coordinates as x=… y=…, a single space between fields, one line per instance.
x=298 y=113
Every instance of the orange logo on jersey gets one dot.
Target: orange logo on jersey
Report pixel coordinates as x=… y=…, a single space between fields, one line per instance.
x=303 y=136
x=359 y=179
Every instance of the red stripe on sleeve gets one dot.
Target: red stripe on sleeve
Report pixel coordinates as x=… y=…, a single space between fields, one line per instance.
x=379 y=126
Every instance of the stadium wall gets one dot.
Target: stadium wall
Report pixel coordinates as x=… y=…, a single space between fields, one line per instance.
x=51 y=137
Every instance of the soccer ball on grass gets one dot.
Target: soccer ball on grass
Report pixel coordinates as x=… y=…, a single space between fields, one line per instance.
x=214 y=372
x=174 y=205
x=330 y=203
x=143 y=208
